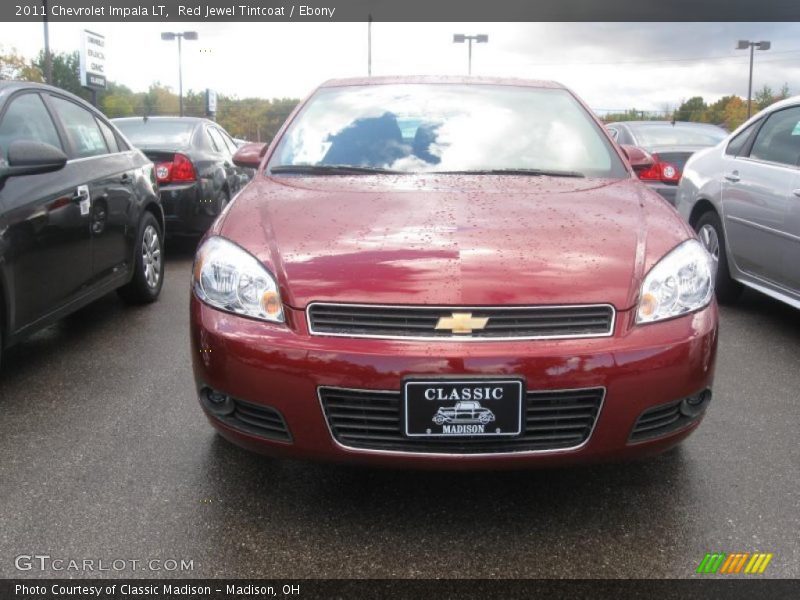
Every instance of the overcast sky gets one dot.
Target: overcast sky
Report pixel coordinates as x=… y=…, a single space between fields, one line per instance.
x=611 y=65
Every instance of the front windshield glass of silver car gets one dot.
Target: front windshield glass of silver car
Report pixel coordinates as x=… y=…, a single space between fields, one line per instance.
x=446 y=128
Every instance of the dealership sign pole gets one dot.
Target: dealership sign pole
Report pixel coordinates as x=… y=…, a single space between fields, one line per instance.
x=93 y=62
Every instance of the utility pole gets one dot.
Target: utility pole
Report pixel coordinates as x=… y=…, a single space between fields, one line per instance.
x=48 y=60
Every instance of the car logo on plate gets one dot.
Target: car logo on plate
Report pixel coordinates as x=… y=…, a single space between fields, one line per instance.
x=464 y=417
x=462 y=322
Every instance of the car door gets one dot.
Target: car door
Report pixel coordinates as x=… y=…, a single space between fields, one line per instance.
x=758 y=198
x=791 y=262
x=109 y=178
x=45 y=220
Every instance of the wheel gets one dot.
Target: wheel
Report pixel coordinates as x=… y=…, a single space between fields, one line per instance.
x=438 y=419
x=485 y=418
x=148 y=274
x=709 y=230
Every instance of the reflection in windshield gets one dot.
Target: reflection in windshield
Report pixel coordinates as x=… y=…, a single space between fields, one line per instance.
x=448 y=127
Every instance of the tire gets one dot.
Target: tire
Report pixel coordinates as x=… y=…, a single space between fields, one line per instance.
x=148 y=258
x=712 y=236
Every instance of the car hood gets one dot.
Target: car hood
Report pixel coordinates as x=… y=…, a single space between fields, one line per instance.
x=454 y=240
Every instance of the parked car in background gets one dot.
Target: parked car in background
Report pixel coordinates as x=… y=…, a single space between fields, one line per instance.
x=670 y=144
x=194 y=167
x=743 y=198
x=80 y=214
x=416 y=248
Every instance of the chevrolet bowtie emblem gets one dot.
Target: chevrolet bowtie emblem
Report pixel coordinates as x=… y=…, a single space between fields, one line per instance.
x=462 y=322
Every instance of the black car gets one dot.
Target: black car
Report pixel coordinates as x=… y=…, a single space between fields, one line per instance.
x=80 y=214
x=194 y=167
x=670 y=143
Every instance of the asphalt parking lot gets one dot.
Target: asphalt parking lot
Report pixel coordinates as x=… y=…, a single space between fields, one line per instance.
x=104 y=453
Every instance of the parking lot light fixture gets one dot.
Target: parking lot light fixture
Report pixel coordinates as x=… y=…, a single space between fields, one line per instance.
x=460 y=38
x=168 y=36
x=744 y=45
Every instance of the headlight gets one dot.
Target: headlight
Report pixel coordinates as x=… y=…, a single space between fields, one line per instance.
x=228 y=278
x=679 y=283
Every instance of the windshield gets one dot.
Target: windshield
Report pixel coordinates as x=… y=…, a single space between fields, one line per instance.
x=678 y=135
x=448 y=128
x=155 y=132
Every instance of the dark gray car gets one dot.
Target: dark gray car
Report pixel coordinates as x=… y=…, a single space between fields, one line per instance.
x=80 y=214
x=743 y=198
x=670 y=143
x=194 y=166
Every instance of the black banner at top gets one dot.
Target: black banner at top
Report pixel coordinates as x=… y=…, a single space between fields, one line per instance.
x=400 y=10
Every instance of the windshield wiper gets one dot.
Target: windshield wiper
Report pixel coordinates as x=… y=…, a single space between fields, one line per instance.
x=531 y=172
x=328 y=170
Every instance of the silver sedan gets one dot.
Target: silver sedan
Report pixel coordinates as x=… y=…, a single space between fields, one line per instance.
x=742 y=196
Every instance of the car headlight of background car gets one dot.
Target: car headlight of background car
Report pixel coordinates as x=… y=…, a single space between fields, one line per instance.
x=679 y=283
x=229 y=278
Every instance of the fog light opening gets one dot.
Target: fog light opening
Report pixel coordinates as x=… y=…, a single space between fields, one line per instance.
x=695 y=405
x=217 y=402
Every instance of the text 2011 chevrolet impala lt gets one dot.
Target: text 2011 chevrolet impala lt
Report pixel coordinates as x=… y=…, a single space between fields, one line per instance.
x=451 y=273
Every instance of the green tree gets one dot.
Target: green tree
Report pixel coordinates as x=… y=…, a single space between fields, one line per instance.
x=66 y=72
x=715 y=113
x=692 y=109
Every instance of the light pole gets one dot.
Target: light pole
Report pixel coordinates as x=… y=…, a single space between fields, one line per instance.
x=460 y=38
x=369 y=45
x=168 y=36
x=744 y=45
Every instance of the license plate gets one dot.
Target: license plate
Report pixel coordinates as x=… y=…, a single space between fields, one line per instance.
x=462 y=407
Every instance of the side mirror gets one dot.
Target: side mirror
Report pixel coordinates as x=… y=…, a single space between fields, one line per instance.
x=26 y=157
x=249 y=156
x=639 y=159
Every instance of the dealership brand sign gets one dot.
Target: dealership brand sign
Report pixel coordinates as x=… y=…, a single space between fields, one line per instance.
x=93 y=60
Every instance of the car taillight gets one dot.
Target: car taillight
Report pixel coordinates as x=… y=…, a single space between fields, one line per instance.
x=660 y=171
x=180 y=169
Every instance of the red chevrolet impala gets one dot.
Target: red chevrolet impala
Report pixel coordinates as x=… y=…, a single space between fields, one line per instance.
x=450 y=273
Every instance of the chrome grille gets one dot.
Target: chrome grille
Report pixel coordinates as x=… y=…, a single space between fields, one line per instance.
x=419 y=322
x=371 y=420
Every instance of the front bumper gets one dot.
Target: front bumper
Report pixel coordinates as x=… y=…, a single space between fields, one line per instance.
x=283 y=367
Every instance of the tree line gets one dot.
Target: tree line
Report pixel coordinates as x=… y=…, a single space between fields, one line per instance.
x=254 y=119
x=728 y=112
x=258 y=119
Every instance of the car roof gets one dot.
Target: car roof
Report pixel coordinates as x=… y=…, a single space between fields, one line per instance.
x=11 y=86
x=386 y=80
